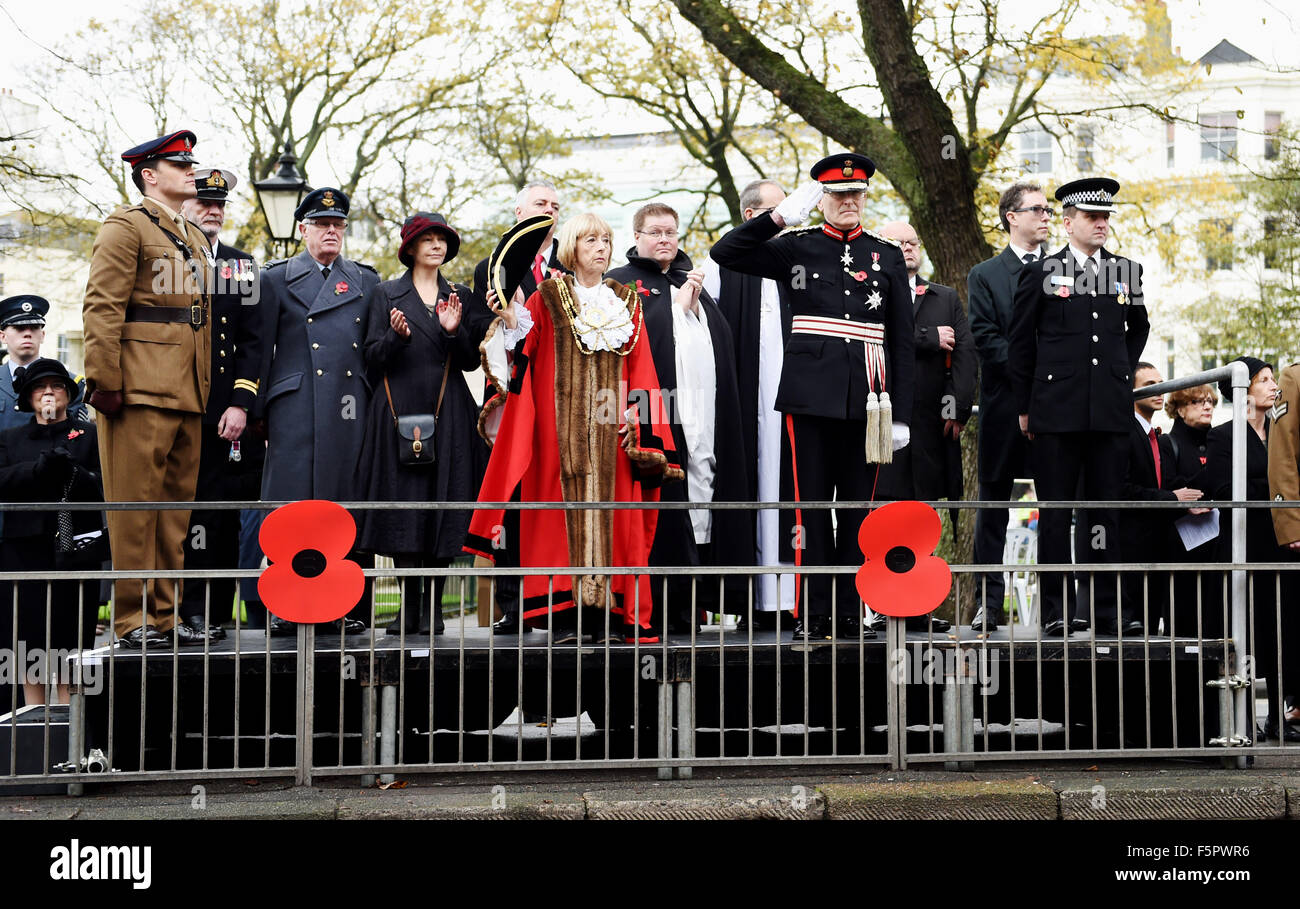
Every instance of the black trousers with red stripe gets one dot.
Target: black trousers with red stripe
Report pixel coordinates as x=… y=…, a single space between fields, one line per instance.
x=823 y=459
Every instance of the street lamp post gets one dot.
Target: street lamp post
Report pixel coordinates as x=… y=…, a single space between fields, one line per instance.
x=279 y=195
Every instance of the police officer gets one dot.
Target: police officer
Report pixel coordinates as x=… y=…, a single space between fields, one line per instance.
x=1077 y=334
x=846 y=379
x=22 y=320
x=229 y=461
x=148 y=353
x=314 y=393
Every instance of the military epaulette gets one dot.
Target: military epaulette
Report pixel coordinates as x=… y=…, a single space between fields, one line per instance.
x=274 y=263
x=804 y=229
x=369 y=268
x=875 y=236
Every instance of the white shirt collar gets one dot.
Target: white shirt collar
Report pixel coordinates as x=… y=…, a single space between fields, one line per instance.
x=1080 y=257
x=1021 y=253
x=1146 y=427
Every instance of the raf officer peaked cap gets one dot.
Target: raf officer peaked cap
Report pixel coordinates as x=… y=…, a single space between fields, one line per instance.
x=844 y=172
x=1089 y=194
x=24 y=309
x=326 y=202
x=213 y=184
x=176 y=147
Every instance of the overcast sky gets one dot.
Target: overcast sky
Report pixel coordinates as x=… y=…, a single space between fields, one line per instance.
x=1266 y=28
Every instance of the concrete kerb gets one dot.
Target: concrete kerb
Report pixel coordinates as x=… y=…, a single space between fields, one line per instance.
x=1222 y=797
x=967 y=800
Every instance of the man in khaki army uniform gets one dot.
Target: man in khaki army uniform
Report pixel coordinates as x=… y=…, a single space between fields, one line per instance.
x=148 y=356
x=1284 y=458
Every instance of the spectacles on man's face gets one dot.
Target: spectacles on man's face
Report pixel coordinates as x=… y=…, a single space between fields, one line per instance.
x=659 y=234
x=1040 y=210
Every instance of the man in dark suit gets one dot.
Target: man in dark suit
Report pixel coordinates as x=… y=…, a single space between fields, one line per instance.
x=229 y=461
x=758 y=311
x=1147 y=535
x=1003 y=451
x=536 y=198
x=313 y=389
x=1077 y=332
x=846 y=381
x=930 y=467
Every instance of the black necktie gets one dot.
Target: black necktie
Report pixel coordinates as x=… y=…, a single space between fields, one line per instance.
x=1029 y=257
x=325 y=273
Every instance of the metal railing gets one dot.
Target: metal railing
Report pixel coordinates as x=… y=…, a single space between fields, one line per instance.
x=381 y=704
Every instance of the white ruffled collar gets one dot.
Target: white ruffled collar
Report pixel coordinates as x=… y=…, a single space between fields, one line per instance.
x=602 y=320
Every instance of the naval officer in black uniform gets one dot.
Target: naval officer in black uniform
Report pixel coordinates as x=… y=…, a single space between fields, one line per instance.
x=1076 y=337
x=846 y=380
x=230 y=460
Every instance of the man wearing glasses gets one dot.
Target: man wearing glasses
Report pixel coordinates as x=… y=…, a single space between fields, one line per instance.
x=313 y=394
x=1003 y=450
x=696 y=364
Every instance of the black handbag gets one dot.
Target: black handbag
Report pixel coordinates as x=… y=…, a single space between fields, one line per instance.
x=80 y=538
x=415 y=431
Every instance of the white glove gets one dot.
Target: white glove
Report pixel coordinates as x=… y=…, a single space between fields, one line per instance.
x=902 y=435
x=796 y=207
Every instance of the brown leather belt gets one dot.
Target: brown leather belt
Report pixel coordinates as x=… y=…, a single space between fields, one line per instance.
x=188 y=315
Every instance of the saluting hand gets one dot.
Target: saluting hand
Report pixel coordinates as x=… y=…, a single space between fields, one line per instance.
x=397 y=319
x=449 y=313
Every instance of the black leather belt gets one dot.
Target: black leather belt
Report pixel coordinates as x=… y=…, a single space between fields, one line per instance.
x=188 y=315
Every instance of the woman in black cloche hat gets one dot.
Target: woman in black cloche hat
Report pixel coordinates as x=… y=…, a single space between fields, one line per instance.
x=417 y=353
x=50 y=459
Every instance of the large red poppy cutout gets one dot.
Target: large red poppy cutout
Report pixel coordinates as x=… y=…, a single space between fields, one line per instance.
x=308 y=578
x=901 y=576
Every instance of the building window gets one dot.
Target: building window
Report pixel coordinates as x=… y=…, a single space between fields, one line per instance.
x=1036 y=151
x=1216 y=236
x=1272 y=131
x=1169 y=144
x=1085 y=143
x=1218 y=136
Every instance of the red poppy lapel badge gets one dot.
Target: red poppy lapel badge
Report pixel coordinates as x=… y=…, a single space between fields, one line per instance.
x=308 y=578
x=900 y=575
x=340 y=288
x=1062 y=291
x=920 y=289
x=643 y=291
x=76 y=432
x=226 y=272
x=859 y=276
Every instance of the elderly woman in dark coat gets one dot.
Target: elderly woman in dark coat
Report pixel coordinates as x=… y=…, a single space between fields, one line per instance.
x=49 y=459
x=1192 y=410
x=414 y=347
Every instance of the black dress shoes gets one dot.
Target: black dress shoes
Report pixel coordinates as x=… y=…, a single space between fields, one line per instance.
x=849 y=627
x=927 y=623
x=1134 y=628
x=139 y=637
x=345 y=626
x=1289 y=733
x=189 y=636
x=1054 y=629
x=211 y=630
x=277 y=627
x=1079 y=625
x=509 y=624
x=987 y=619
x=815 y=627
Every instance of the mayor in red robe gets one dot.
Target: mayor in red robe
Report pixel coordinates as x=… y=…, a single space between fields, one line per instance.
x=583 y=369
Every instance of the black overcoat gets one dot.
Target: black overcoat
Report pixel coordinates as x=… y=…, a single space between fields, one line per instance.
x=414 y=369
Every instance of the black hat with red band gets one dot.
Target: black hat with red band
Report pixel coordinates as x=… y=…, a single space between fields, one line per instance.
x=844 y=172
x=420 y=223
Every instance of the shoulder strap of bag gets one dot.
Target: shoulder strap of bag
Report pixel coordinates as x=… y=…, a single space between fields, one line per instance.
x=442 y=390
